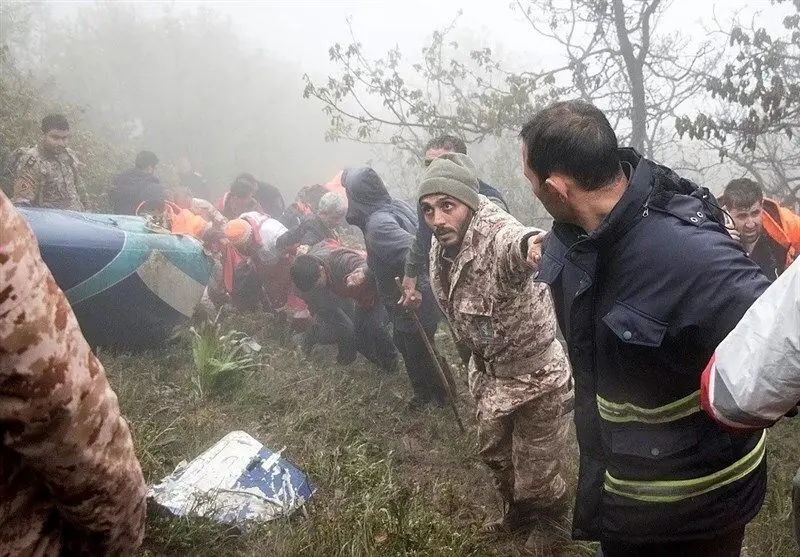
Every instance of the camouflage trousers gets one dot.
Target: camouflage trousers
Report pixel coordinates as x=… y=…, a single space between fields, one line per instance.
x=524 y=451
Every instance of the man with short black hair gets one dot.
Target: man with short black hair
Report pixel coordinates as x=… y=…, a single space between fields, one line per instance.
x=131 y=187
x=770 y=234
x=646 y=283
x=240 y=199
x=47 y=175
x=359 y=323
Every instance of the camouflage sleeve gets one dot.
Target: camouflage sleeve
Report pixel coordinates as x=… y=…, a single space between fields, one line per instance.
x=510 y=253
x=58 y=411
x=415 y=260
x=26 y=181
x=80 y=187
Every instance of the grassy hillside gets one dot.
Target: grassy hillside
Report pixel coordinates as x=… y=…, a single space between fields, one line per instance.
x=390 y=481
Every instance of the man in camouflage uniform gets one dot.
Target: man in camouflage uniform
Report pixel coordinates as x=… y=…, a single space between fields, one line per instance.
x=70 y=483
x=47 y=175
x=481 y=266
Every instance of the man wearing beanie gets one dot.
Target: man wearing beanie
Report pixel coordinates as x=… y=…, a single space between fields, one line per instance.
x=481 y=271
x=417 y=258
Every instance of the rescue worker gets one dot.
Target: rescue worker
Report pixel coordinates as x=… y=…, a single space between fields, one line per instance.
x=166 y=214
x=325 y=270
x=240 y=197
x=646 y=283
x=263 y=279
x=184 y=199
x=417 y=259
x=389 y=227
x=770 y=234
x=47 y=175
x=481 y=271
x=306 y=202
x=320 y=226
x=69 y=477
x=131 y=186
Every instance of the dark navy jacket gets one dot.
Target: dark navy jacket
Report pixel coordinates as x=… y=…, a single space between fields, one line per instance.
x=389 y=227
x=642 y=302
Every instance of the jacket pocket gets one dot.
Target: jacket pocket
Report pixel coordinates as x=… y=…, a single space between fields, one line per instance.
x=654 y=444
x=635 y=327
x=476 y=316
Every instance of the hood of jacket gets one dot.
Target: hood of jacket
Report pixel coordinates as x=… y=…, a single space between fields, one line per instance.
x=366 y=193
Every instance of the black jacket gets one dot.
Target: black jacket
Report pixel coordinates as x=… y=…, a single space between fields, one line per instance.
x=311 y=231
x=642 y=302
x=389 y=227
x=130 y=189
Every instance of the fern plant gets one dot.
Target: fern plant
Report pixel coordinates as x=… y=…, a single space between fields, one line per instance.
x=221 y=359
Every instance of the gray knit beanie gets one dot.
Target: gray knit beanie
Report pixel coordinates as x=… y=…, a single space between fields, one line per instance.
x=452 y=174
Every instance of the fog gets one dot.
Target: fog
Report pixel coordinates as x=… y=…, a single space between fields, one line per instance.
x=222 y=82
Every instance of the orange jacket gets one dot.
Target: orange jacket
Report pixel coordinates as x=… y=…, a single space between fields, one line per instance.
x=182 y=221
x=785 y=229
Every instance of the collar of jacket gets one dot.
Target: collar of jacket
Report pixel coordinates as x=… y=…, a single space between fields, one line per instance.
x=628 y=209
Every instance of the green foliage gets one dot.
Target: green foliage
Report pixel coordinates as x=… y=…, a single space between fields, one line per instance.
x=222 y=360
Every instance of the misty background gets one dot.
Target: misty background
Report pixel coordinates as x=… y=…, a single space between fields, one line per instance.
x=261 y=87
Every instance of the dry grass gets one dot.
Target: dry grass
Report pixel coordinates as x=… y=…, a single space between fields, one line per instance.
x=390 y=481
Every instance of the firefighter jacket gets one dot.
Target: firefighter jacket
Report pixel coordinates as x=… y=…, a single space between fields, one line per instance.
x=643 y=301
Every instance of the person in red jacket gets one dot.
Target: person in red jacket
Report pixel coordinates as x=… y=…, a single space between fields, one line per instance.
x=769 y=233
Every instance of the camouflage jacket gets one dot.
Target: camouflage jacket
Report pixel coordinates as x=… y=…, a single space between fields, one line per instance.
x=70 y=483
x=493 y=305
x=45 y=181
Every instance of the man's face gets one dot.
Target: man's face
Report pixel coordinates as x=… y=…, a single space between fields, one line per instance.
x=447 y=217
x=748 y=221
x=55 y=141
x=431 y=154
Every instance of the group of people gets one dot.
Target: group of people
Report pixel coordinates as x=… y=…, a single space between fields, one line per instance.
x=644 y=272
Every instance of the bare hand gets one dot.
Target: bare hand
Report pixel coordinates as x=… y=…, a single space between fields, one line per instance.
x=410 y=297
x=356 y=278
x=535 y=250
x=302 y=250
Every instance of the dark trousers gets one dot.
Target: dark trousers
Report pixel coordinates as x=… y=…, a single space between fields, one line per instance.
x=372 y=337
x=420 y=366
x=726 y=545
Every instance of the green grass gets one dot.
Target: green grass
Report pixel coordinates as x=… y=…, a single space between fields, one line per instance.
x=390 y=481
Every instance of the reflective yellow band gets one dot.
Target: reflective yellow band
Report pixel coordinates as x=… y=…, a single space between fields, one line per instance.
x=676 y=490
x=628 y=412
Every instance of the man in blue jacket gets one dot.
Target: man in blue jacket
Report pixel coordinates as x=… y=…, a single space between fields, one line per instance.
x=647 y=283
x=389 y=227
